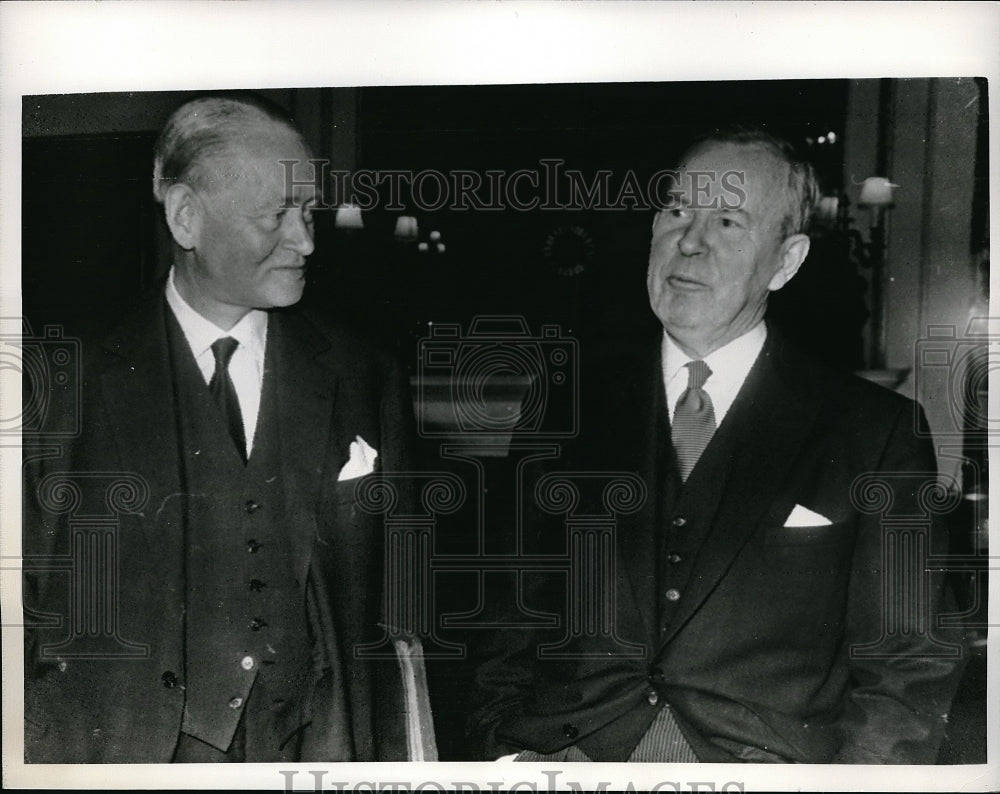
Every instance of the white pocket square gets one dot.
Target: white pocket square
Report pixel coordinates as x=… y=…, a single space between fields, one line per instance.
x=362 y=460
x=804 y=517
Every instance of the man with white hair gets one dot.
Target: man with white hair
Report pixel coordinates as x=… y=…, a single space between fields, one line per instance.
x=248 y=576
x=772 y=599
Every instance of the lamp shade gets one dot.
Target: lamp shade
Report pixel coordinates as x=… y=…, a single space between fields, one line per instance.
x=348 y=217
x=876 y=191
x=826 y=209
x=406 y=228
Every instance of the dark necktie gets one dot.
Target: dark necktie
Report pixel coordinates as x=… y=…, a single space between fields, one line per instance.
x=224 y=393
x=694 y=419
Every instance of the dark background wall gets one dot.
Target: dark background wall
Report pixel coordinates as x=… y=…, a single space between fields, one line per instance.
x=93 y=237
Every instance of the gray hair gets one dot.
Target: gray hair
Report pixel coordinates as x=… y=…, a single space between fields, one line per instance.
x=201 y=130
x=803 y=188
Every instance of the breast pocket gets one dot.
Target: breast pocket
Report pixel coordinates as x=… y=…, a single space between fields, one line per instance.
x=352 y=490
x=835 y=533
x=805 y=559
x=349 y=507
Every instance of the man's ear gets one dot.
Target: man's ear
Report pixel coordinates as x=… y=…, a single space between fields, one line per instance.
x=793 y=254
x=182 y=209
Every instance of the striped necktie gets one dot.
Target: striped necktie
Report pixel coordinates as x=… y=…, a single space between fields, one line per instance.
x=694 y=419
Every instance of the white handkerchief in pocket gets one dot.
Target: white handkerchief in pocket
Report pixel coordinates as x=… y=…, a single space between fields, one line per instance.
x=362 y=460
x=804 y=517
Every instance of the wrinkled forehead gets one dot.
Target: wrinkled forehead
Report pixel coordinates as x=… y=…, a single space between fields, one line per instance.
x=729 y=173
x=264 y=165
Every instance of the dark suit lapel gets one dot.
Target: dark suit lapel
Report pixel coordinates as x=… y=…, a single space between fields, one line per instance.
x=301 y=361
x=632 y=444
x=138 y=397
x=769 y=422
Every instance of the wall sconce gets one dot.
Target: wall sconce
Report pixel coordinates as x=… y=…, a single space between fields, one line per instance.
x=348 y=218
x=876 y=191
x=406 y=229
x=828 y=211
x=877 y=195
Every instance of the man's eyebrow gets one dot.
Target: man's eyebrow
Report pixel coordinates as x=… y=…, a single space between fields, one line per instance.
x=313 y=200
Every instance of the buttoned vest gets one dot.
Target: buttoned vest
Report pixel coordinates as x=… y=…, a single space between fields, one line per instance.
x=687 y=510
x=248 y=645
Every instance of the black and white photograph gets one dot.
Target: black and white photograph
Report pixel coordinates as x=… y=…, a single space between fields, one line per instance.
x=457 y=419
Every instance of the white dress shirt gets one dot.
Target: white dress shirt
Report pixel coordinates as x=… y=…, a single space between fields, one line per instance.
x=246 y=367
x=730 y=365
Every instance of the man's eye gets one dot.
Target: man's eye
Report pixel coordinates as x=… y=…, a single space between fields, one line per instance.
x=675 y=212
x=728 y=222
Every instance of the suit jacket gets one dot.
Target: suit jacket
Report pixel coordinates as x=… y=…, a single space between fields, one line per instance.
x=786 y=643
x=114 y=693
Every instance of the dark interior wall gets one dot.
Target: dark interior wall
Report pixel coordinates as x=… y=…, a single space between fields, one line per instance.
x=126 y=111
x=93 y=238
x=581 y=266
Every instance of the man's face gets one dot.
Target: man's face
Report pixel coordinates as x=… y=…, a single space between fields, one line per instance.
x=250 y=245
x=711 y=267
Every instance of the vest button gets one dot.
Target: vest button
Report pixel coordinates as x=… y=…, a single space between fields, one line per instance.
x=169 y=679
x=673 y=558
x=570 y=731
x=251 y=506
x=247 y=663
x=253 y=546
x=257 y=624
x=235 y=703
x=653 y=697
x=679 y=521
x=673 y=594
x=256 y=585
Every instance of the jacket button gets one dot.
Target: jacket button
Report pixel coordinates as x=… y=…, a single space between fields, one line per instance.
x=257 y=624
x=251 y=506
x=256 y=585
x=570 y=731
x=247 y=663
x=679 y=521
x=235 y=703
x=253 y=546
x=169 y=679
x=673 y=594
x=653 y=697
x=673 y=558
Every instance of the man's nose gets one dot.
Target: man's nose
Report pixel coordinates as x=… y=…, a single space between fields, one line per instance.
x=692 y=241
x=298 y=233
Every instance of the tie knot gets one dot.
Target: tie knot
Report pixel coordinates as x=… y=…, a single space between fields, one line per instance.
x=223 y=350
x=698 y=372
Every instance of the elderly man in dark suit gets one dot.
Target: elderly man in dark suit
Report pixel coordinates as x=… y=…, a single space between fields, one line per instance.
x=221 y=619
x=765 y=607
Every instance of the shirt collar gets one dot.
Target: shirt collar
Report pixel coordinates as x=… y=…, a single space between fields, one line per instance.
x=729 y=364
x=250 y=331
